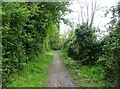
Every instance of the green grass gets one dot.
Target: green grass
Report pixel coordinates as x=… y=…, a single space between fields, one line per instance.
x=85 y=76
x=35 y=73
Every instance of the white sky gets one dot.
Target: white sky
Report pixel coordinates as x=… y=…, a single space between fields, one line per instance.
x=99 y=19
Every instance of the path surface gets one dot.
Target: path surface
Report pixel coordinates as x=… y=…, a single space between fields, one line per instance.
x=58 y=74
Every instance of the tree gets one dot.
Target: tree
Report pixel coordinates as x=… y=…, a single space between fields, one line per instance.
x=25 y=32
x=88 y=10
x=111 y=50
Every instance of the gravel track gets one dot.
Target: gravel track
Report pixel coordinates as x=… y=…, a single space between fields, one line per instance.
x=58 y=74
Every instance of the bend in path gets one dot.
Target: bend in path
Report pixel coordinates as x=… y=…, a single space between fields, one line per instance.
x=58 y=74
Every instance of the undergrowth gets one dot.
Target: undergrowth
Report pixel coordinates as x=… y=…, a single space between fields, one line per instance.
x=35 y=73
x=85 y=76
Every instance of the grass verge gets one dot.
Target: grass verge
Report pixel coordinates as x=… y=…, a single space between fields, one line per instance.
x=35 y=73
x=85 y=76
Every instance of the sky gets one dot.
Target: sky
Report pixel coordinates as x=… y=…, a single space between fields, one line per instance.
x=99 y=20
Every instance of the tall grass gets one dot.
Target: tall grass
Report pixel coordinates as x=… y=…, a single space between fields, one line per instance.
x=35 y=73
x=85 y=76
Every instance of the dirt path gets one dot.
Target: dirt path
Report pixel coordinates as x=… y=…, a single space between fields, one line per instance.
x=58 y=74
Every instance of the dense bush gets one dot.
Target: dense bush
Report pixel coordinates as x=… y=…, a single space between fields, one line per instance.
x=83 y=46
x=111 y=48
x=25 y=32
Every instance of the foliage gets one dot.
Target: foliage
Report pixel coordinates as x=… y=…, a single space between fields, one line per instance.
x=85 y=76
x=53 y=36
x=111 y=49
x=25 y=32
x=33 y=75
x=82 y=46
